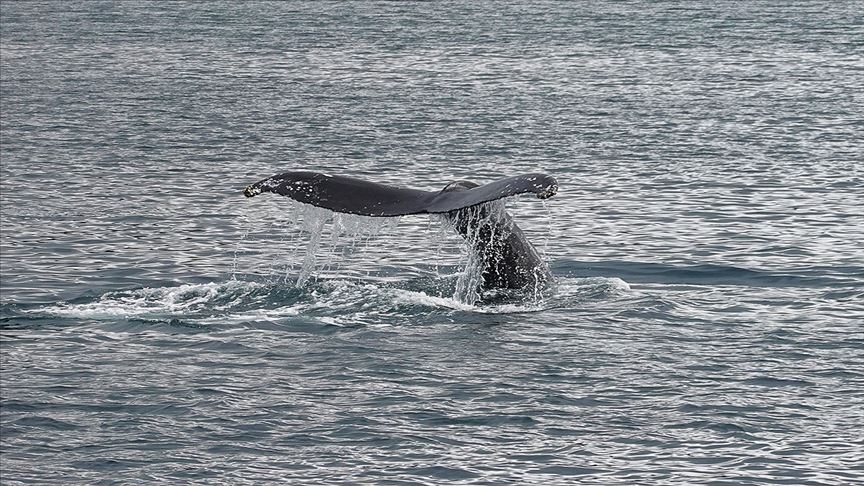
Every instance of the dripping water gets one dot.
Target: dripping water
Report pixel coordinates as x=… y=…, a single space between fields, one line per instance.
x=293 y=243
x=479 y=224
x=303 y=243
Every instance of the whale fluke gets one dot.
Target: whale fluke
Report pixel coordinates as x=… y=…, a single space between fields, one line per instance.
x=508 y=258
x=356 y=196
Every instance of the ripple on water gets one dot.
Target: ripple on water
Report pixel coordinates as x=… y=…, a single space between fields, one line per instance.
x=709 y=155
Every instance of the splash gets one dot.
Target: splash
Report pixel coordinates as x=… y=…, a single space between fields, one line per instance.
x=479 y=225
x=316 y=243
x=183 y=300
x=301 y=243
x=341 y=303
x=497 y=255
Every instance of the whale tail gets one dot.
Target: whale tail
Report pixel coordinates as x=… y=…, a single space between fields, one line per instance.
x=508 y=258
x=356 y=196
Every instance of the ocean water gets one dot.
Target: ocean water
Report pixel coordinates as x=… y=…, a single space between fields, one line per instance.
x=707 y=323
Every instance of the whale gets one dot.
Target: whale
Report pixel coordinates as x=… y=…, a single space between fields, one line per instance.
x=476 y=212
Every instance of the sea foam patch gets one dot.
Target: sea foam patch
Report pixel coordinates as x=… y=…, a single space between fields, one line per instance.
x=182 y=300
x=335 y=301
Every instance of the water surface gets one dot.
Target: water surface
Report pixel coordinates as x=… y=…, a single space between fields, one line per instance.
x=707 y=321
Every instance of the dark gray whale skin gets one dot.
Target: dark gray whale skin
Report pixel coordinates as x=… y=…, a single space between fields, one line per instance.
x=509 y=259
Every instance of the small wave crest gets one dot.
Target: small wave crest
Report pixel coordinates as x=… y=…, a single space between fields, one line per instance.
x=568 y=291
x=597 y=286
x=183 y=300
x=332 y=302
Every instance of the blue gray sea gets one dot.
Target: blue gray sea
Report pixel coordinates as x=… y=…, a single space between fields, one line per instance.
x=707 y=320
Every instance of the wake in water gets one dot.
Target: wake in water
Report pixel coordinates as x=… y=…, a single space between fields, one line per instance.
x=314 y=265
x=326 y=302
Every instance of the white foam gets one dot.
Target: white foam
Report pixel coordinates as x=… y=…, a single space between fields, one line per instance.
x=332 y=302
x=421 y=298
x=270 y=315
x=611 y=285
x=156 y=301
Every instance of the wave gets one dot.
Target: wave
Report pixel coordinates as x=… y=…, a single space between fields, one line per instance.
x=710 y=274
x=335 y=302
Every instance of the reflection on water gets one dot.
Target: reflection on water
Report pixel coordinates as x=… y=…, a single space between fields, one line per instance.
x=705 y=241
